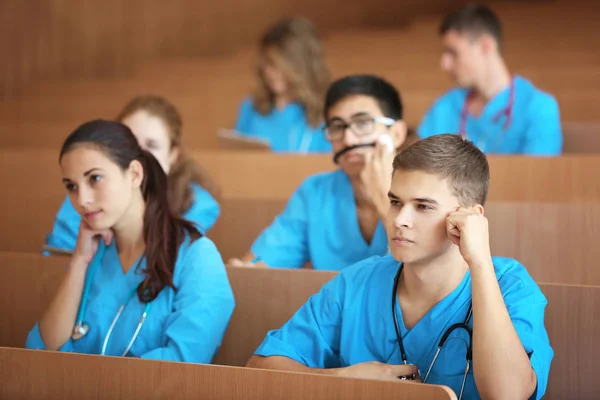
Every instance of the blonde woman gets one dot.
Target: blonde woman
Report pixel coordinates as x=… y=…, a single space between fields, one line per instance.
x=286 y=109
x=157 y=125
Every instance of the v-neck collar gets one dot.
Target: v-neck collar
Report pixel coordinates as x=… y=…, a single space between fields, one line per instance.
x=448 y=310
x=121 y=282
x=347 y=195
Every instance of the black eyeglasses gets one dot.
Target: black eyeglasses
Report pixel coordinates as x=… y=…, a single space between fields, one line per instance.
x=360 y=127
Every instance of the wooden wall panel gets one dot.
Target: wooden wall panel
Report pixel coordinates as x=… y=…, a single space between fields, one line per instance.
x=83 y=39
x=256 y=186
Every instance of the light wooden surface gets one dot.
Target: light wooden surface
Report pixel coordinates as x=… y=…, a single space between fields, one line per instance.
x=32 y=375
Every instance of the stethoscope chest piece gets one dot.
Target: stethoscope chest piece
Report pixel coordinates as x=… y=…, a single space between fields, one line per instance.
x=79 y=331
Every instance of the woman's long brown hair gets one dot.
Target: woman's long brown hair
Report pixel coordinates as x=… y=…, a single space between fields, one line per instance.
x=298 y=45
x=185 y=171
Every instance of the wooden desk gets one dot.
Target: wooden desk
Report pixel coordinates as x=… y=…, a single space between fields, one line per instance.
x=29 y=374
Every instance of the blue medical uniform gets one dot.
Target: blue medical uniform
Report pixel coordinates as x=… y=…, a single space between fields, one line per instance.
x=349 y=322
x=183 y=325
x=320 y=225
x=204 y=212
x=535 y=128
x=287 y=129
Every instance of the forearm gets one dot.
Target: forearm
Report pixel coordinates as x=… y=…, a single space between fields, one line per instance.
x=56 y=325
x=502 y=368
x=287 y=364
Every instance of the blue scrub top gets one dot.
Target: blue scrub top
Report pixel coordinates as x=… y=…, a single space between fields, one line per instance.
x=349 y=321
x=320 y=225
x=535 y=128
x=204 y=212
x=183 y=325
x=287 y=130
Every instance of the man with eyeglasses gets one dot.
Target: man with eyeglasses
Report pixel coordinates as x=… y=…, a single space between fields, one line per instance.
x=334 y=219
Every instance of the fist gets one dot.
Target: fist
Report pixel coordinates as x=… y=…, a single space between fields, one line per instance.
x=377 y=370
x=468 y=229
x=376 y=175
x=87 y=241
x=236 y=262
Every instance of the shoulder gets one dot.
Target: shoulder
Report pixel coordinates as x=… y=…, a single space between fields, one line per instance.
x=368 y=273
x=201 y=194
x=197 y=257
x=68 y=211
x=323 y=180
x=451 y=99
x=247 y=104
x=246 y=108
x=537 y=99
x=513 y=276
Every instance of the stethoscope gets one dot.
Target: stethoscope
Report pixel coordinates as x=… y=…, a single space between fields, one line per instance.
x=506 y=111
x=460 y=325
x=81 y=328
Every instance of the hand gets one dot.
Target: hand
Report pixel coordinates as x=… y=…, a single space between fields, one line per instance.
x=468 y=229
x=87 y=242
x=236 y=262
x=377 y=370
x=376 y=176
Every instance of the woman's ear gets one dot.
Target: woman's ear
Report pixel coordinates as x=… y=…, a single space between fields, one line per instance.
x=398 y=133
x=136 y=171
x=174 y=155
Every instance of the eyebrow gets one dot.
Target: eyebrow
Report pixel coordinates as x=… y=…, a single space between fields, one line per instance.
x=427 y=200
x=357 y=115
x=86 y=173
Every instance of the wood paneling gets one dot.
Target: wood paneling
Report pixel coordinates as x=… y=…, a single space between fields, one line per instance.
x=83 y=39
x=31 y=181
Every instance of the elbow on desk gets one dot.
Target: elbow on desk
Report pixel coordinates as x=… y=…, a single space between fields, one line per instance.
x=524 y=389
x=257 y=362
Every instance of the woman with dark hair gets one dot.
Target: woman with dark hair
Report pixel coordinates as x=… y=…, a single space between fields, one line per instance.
x=157 y=125
x=141 y=282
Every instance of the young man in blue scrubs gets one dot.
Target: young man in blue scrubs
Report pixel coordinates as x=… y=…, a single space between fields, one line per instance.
x=334 y=219
x=501 y=113
x=440 y=268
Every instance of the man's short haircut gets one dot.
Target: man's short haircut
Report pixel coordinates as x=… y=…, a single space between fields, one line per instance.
x=387 y=97
x=453 y=158
x=474 y=20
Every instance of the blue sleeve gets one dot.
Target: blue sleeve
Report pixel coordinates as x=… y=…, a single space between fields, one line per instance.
x=284 y=244
x=244 y=116
x=204 y=210
x=526 y=304
x=312 y=336
x=35 y=341
x=202 y=307
x=66 y=228
x=543 y=136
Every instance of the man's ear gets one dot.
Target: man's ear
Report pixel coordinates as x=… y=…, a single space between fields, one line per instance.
x=136 y=171
x=478 y=208
x=488 y=44
x=398 y=133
